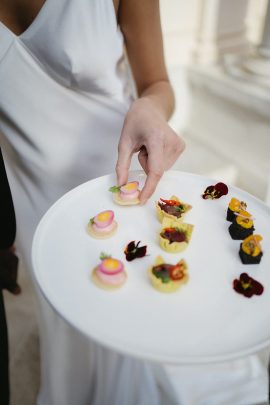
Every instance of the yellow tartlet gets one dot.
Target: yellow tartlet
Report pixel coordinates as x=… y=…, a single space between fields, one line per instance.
x=172 y=285
x=175 y=247
x=161 y=214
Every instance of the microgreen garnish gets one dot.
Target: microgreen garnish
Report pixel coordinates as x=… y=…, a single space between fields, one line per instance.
x=162 y=272
x=114 y=189
x=104 y=256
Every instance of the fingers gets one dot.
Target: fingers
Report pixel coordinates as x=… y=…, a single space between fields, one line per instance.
x=160 y=157
x=150 y=185
x=172 y=152
x=142 y=157
x=123 y=163
x=161 y=150
x=155 y=172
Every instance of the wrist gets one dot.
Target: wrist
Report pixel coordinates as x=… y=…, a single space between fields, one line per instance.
x=161 y=95
x=147 y=105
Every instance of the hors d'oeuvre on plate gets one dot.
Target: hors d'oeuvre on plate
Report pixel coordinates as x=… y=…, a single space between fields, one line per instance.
x=128 y=194
x=250 y=250
x=247 y=286
x=174 y=236
x=133 y=250
x=109 y=274
x=102 y=225
x=242 y=225
x=172 y=208
x=216 y=191
x=168 y=277
x=235 y=206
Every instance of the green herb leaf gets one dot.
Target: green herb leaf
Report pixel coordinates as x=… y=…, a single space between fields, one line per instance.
x=114 y=189
x=91 y=221
x=163 y=275
x=104 y=256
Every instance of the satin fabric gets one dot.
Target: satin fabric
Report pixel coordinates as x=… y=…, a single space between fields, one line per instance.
x=64 y=95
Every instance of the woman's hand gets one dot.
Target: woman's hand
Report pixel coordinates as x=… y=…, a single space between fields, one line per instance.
x=146 y=131
x=145 y=128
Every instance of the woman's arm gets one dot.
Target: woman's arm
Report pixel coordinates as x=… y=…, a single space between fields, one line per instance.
x=145 y=128
x=140 y=24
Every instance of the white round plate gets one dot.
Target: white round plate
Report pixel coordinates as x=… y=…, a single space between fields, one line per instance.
x=205 y=321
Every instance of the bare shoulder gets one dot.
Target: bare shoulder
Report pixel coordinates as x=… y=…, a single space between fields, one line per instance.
x=140 y=24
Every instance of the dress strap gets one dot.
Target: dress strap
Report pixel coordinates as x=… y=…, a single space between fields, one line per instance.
x=6 y=39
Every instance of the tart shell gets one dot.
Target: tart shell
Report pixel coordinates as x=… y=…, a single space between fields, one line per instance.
x=169 y=287
x=175 y=247
x=162 y=214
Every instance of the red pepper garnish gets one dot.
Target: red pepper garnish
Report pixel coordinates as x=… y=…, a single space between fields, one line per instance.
x=171 y=202
x=170 y=230
x=177 y=272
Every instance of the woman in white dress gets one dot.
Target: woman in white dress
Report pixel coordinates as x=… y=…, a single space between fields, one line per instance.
x=64 y=102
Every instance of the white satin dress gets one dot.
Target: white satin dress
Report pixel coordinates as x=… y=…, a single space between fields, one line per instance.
x=63 y=98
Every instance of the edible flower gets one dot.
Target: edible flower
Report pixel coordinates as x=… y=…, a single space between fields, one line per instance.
x=244 y=219
x=251 y=245
x=214 y=192
x=247 y=286
x=133 y=251
x=237 y=205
